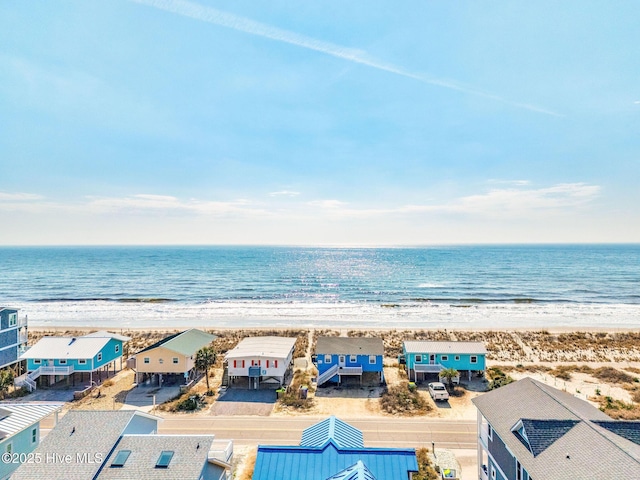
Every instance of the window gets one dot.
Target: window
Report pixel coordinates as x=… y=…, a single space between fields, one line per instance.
x=327 y=359
x=418 y=358
x=474 y=359
x=37 y=361
x=13 y=319
x=34 y=435
x=121 y=458
x=372 y=359
x=164 y=459
x=489 y=432
x=100 y=357
x=82 y=361
x=457 y=358
x=161 y=361
x=176 y=361
x=444 y=358
x=353 y=358
x=493 y=473
x=9 y=447
x=147 y=360
x=117 y=348
x=519 y=471
x=63 y=361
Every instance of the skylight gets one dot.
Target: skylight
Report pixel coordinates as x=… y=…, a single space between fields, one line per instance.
x=121 y=458
x=164 y=459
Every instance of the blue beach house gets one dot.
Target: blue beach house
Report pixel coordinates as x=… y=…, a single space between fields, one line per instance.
x=424 y=358
x=20 y=430
x=83 y=358
x=333 y=449
x=13 y=336
x=345 y=356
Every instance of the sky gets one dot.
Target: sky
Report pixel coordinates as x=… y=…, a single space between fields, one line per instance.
x=319 y=123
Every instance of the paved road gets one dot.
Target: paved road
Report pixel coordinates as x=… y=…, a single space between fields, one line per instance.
x=458 y=434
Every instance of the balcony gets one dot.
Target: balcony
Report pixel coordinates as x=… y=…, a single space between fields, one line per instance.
x=221 y=452
x=350 y=371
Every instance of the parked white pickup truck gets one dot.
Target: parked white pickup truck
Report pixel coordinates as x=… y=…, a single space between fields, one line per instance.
x=438 y=391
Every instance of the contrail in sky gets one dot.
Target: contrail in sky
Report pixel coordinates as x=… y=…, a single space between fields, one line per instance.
x=236 y=22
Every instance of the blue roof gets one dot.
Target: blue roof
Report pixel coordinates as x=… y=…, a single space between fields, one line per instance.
x=320 y=463
x=332 y=429
x=359 y=471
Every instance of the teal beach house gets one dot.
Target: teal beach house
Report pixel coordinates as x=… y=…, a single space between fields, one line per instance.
x=338 y=357
x=424 y=358
x=83 y=359
x=20 y=428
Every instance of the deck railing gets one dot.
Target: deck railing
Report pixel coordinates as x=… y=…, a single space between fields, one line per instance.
x=350 y=370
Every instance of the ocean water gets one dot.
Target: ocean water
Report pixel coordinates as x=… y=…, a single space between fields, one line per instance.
x=445 y=287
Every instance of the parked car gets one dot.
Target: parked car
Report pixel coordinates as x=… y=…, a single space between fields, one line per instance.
x=438 y=391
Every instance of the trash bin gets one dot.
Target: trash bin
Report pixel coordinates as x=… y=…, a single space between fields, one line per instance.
x=304 y=390
x=280 y=393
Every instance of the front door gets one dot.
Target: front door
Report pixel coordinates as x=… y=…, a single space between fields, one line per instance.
x=341 y=361
x=432 y=359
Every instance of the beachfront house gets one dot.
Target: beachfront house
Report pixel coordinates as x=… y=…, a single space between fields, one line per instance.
x=261 y=361
x=337 y=357
x=528 y=430
x=20 y=431
x=333 y=449
x=124 y=444
x=172 y=358
x=84 y=358
x=424 y=358
x=13 y=336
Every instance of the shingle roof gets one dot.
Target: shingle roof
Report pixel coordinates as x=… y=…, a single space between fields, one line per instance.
x=79 y=432
x=15 y=417
x=332 y=429
x=272 y=347
x=190 y=454
x=104 y=333
x=473 y=348
x=627 y=429
x=540 y=434
x=358 y=471
x=573 y=452
x=185 y=343
x=349 y=346
x=66 y=347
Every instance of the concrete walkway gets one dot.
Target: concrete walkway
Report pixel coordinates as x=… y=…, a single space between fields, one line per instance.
x=141 y=398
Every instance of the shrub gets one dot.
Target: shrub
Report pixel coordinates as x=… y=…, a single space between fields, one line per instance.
x=498 y=378
x=426 y=471
x=398 y=399
x=610 y=374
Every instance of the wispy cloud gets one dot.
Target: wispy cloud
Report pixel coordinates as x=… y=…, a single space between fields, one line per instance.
x=19 y=197
x=145 y=203
x=242 y=24
x=512 y=202
x=284 y=193
x=518 y=183
x=505 y=203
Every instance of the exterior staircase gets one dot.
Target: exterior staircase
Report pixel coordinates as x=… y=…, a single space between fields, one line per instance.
x=225 y=376
x=326 y=376
x=28 y=380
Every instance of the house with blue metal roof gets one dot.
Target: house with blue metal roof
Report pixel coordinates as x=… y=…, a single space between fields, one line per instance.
x=424 y=358
x=13 y=336
x=332 y=450
x=74 y=358
x=338 y=357
x=20 y=431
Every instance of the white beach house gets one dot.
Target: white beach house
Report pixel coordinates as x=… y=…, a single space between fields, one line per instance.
x=263 y=360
